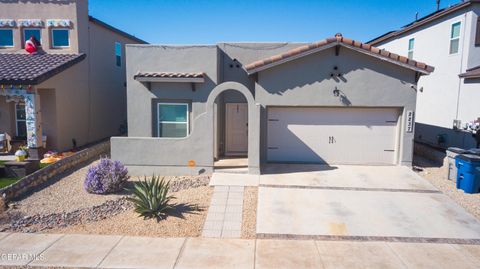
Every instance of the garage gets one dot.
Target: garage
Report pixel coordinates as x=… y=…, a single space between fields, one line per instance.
x=332 y=135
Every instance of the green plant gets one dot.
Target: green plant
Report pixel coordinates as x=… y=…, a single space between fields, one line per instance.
x=150 y=197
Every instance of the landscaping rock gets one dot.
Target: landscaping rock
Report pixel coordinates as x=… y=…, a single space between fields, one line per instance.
x=15 y=222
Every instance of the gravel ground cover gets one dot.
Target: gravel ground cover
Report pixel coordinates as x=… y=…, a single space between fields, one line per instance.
x=63 y=202
x=249 y=220
x=437 y=175
x=187 y=220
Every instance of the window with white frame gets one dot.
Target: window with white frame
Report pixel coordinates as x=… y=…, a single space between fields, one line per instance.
x=172 y=120
x=118 y=54
x=20 y=120
x=29 y=32
x=6 y=38
x=60 y=38
x=455 y=38
x=411 y=44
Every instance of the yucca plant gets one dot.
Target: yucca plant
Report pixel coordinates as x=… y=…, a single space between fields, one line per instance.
x=150 y=197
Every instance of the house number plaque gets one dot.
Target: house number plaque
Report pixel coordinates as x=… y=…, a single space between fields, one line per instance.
x=410 y=122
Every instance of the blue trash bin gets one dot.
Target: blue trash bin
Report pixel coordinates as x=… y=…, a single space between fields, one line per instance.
x=468 y=176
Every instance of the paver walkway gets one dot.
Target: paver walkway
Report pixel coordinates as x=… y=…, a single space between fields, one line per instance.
x=106 y=251
x=224 y=217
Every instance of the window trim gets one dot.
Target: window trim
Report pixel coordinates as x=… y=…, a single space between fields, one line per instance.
x=13 y=38
x=24 y=37
x=412 y=49
x=19 y=120
x=175 y=122
x=115 y=50
x=454 y=38
x=52 y=41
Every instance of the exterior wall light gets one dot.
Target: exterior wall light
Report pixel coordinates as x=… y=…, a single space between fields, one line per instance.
x=336 y=92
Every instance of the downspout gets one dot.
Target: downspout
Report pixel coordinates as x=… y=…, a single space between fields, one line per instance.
x=461 y=64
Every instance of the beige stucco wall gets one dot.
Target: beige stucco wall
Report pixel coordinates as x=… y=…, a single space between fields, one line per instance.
x=44 y=10
x=86 y=102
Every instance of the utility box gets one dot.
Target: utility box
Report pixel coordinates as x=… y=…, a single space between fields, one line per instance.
x=468 y=176
x=453 y=152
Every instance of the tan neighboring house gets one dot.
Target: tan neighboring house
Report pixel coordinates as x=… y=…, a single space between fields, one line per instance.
x=71 y=93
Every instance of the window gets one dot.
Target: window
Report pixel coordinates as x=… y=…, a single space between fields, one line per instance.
x=60 y=38
x=118 y=54
x=172 y=120
x=455 y=38
x=20 y=120
x=6 y=38
x=27 y=33
x=477 y=35
x=411 y=44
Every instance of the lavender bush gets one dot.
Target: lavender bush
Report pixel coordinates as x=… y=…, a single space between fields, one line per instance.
x=106 y=177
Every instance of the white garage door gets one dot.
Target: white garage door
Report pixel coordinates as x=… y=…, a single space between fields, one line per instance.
x=332 y=135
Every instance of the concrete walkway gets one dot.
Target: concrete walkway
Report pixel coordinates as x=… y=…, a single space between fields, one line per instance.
x=103 y=251
x=224 y=217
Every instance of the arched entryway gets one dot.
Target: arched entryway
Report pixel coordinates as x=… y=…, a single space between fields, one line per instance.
x=253 y=152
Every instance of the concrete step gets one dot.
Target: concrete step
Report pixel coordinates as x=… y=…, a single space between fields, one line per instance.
x=231 y=170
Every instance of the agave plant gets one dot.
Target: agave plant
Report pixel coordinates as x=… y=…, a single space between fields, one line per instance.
x=150 y=197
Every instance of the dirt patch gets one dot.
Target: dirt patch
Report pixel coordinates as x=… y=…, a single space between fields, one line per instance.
x=187 y=220
x=437 y=175
x=249 y=220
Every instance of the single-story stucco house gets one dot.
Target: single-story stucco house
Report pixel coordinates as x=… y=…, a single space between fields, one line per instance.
x=337 y=101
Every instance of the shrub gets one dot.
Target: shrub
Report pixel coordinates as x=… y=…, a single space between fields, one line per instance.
x=150 y=197
x=106 y=177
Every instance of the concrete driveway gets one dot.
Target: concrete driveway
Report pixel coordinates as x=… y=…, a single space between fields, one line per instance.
x=360 y=202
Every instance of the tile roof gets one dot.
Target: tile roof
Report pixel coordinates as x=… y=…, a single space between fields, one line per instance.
x=428 y=18
x=473 y=72
x=168 y=75
x=29 y=69
x=337 y=40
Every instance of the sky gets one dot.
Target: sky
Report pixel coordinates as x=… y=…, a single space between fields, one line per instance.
x=214 y=21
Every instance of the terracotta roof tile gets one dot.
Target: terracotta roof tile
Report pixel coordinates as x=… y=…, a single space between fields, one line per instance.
x=168 y=75
x=19 y=68
x=341 y=41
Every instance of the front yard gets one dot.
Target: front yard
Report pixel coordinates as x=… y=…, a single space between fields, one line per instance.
x=63 y=206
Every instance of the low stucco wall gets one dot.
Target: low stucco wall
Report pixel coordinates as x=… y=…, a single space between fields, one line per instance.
x=32 y=181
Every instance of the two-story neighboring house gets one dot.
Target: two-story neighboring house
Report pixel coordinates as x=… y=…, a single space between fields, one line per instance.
x=448 y=39
x=72 y=92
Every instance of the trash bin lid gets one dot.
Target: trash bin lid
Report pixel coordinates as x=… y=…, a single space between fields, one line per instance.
x=457 y=150
x=469 y=158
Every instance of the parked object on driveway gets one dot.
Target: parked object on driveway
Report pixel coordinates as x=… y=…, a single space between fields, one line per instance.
x=453 y=152
x=468 y=177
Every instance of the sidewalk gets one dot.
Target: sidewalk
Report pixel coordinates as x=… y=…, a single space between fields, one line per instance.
x=102 y=251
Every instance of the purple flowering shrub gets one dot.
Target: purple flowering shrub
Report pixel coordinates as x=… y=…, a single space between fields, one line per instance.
x=106 y=177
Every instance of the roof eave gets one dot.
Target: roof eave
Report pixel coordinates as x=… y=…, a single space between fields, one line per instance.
x=166 y=79
x=333 y=44
x=297 y=56
x=393 y=34
x=116 y=30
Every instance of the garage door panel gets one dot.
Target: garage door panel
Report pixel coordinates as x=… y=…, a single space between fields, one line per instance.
x=332 y=135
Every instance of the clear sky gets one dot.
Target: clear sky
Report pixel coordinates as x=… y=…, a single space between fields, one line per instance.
x=207 y=22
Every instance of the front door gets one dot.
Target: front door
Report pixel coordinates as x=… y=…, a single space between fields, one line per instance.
x=236 y=129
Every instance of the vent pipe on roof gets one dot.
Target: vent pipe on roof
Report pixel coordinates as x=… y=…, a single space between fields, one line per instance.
x=438 y=5
x=416 y=16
